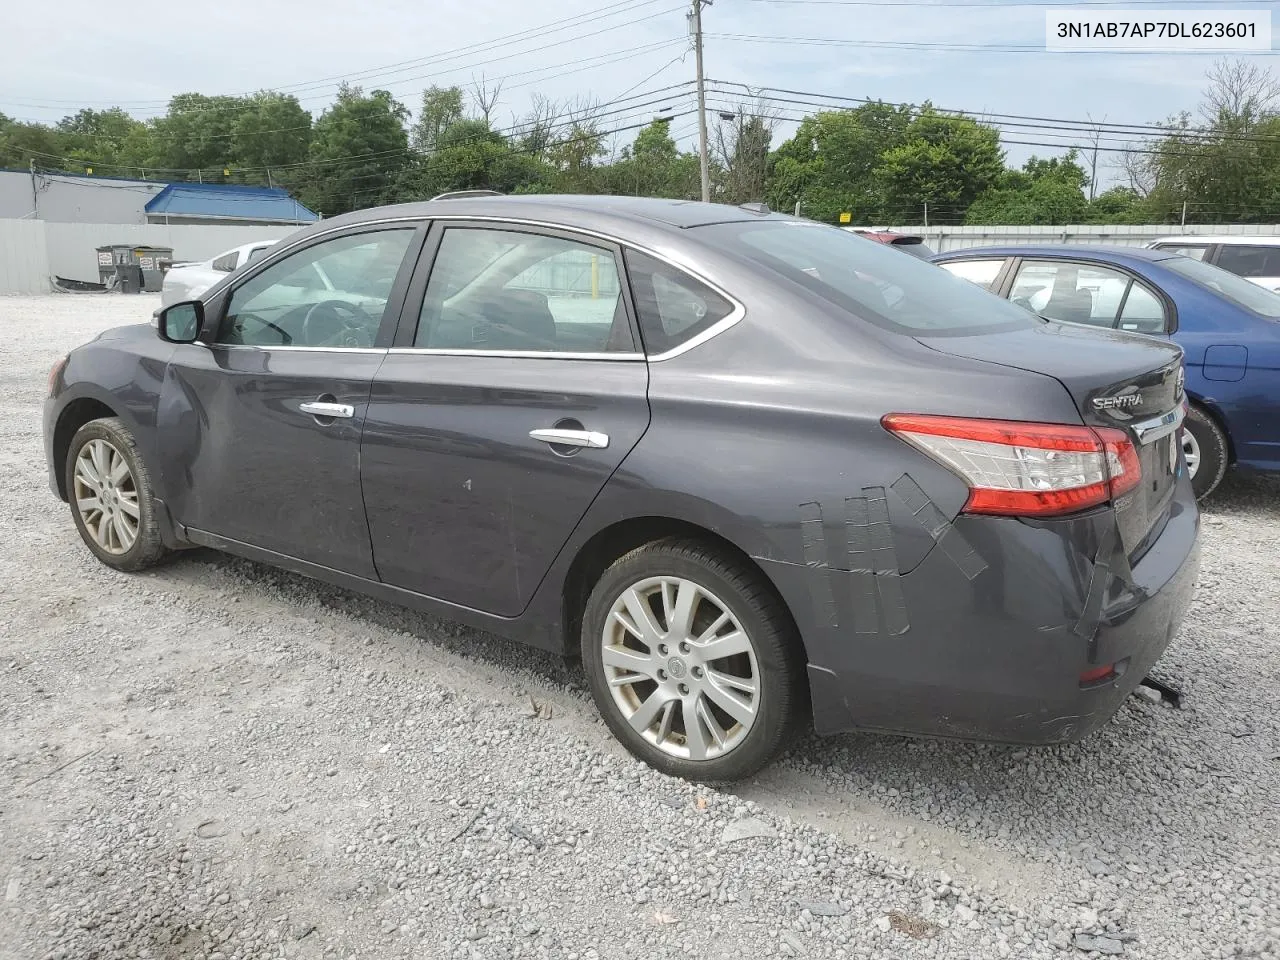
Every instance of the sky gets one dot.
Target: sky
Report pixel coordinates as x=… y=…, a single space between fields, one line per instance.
x=613 y=52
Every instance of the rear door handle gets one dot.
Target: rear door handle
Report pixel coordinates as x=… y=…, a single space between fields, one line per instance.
x=318 y=408
x=571 y=438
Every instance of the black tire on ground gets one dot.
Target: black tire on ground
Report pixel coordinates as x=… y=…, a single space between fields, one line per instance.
x=1214 y=455
x=147 y=549
x=783 y=698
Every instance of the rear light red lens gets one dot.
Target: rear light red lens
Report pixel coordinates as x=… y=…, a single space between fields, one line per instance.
x=1097 y=674
x=1026 y=469
x=53 y=375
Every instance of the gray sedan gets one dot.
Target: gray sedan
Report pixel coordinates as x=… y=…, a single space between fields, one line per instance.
x=755 y=471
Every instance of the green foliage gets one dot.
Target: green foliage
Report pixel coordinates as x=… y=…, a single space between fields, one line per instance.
x=271 y=130
x=947 y=162
x=1042 y=192
x=880 y=162
x=441 y=109
x=359 y=150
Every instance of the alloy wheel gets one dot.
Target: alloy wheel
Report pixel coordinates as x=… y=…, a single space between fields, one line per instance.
x=1191 y=450
x=106 y=495
x=680 y=667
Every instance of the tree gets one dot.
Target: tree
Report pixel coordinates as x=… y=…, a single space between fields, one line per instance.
x=946 y=162
x=1117 y=205
x=359 y=150
x=195 y=135
x=441 y=109
x=1240 y=94
x=829 y=164
x=1042 y=192
x=484 y=99
x=108 y=139
x=272 y=130
x=741 y=150
x=653 y=166
x=22 y=144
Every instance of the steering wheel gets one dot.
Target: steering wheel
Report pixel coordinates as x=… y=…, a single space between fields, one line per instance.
x=336 y=323
x=237 y=325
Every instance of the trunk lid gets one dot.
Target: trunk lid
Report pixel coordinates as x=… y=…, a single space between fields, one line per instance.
x=1126 y=381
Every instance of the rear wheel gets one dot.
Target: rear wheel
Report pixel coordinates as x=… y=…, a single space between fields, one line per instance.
x=1205 y=447
x=692 y=661
x=111 y=496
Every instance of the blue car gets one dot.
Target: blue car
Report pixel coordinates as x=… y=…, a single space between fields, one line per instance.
x=1228 y=328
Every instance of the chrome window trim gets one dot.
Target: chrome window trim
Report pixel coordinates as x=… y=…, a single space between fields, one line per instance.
x=515 y=354
x=281 y=251
x=289 y=346
x=737 y=313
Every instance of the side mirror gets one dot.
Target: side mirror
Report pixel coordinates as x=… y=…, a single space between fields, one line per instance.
x=181 y=322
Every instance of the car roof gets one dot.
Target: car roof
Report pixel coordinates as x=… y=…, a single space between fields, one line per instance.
x=570 y=209
x=1061 y=251
x=1190 y=239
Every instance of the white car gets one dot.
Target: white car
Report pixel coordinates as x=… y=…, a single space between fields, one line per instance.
x=1254 y=258
x=186 y=281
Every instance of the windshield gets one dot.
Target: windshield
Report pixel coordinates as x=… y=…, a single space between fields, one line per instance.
x=873 y=281
x=1244 y=293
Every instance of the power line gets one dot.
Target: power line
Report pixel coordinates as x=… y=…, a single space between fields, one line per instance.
x=648 y=101
x=948 y=47
x=554 y=26
x=812 y=99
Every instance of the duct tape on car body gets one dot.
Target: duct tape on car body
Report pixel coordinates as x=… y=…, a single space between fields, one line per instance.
x=942 y=530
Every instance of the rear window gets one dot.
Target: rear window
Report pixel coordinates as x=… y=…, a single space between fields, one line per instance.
x=1249 y=261
x=873 y=281
x=1244 y=293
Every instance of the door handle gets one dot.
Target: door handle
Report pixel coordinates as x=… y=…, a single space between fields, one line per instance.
x=571 y=438
x=318 y=408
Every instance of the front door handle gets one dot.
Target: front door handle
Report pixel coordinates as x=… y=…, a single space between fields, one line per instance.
x=571 y=438
x=318 y=408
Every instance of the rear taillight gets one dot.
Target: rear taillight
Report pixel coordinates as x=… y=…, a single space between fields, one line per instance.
x=1026 y=469
x=53 y=375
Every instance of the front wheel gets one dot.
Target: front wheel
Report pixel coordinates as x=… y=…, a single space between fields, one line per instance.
x=111 y=496
x=692 y=661
x=1205 y=447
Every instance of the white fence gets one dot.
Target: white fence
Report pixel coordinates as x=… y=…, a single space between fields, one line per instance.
x=943 y=239
x=34 y=251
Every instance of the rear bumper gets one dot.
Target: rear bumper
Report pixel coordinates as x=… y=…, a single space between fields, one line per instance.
x=991 y=646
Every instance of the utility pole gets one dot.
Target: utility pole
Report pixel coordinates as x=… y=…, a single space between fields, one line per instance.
x=926 y=213
x=695 y=19
x=35 y=194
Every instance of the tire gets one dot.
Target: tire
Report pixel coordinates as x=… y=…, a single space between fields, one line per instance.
x=724 y=591
x=1204 y=441
x=112 y=443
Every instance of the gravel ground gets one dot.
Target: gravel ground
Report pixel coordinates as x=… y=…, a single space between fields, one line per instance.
x=221 y=760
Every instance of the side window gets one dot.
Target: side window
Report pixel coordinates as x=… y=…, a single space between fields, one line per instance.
x=1186 y=249
x=1070 y=292
x=672 y=306
x=1248 y=261
x=981 y=272
x=331 y=294
x=226 y=263
x=1143 y=312
x=506 y=290
x=256 y=254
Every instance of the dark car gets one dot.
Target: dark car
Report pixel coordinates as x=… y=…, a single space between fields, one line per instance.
x=748 y=466
x=1228 y=327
